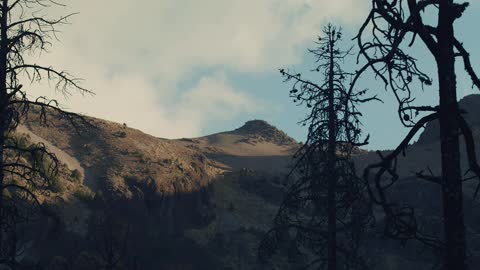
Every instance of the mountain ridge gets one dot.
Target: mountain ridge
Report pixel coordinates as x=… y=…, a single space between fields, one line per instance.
x=208 y=193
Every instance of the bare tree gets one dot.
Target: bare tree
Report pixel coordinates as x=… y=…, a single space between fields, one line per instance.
x=325 y=208
x=394 y=26
x=111 y=240
x=25 y=169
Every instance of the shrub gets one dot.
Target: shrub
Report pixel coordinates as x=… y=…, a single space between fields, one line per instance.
x=24 y=142
x=76 y=175
x=56 y=184
x=84 y=194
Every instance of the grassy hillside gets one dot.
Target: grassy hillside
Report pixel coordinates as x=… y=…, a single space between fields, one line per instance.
x=188 y=191
x=201 y=203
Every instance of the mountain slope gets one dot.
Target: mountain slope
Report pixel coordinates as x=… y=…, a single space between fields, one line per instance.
x=176 y=189
x=424 y=196
x=204 y=203
x=256 y=145
x=425 y=153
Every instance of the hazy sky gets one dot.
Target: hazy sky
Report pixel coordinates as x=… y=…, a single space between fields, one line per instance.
x=186 y=68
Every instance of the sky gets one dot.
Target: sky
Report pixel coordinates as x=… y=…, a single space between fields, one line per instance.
x=187 y=68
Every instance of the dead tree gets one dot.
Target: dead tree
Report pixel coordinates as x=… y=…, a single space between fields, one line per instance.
x=22 y=172
x=111 y=239
x=394 y=26
x=325 y=208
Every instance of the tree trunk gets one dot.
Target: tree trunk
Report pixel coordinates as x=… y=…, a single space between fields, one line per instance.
x=331 y=158
x=454 y=227
x=4 y=115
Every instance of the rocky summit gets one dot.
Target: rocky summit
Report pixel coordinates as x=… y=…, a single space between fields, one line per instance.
x=262 y=130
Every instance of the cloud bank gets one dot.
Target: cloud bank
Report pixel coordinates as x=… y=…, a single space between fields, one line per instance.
x=136 y=56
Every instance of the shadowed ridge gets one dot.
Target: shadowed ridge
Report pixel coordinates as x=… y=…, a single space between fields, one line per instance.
x=471 y=105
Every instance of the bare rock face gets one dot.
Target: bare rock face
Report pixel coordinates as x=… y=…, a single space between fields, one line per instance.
x=262 y=130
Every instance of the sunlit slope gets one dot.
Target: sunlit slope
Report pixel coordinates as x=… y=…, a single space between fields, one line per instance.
x=256 y=145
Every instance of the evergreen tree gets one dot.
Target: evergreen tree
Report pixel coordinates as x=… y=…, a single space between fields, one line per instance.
x=325 y=210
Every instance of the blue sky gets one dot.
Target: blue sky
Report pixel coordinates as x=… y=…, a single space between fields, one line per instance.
x=190 y=68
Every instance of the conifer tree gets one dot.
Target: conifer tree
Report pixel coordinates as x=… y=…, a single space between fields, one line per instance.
x=325 y=209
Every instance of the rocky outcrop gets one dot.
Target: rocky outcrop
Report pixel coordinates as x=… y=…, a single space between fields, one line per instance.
x=262 y=130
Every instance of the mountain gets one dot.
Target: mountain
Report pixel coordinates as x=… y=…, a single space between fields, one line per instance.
x=424 y=154
x=424 y=196
x=187 y=191
x=256 y=145
x=200 y=203
x=471 y=110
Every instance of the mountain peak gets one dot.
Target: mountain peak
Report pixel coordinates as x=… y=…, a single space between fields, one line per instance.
x=254 y=126
x=263 y=130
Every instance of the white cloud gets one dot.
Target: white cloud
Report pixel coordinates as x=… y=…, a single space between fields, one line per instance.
x=134 y=53
x=134 y=100
x=212 y=96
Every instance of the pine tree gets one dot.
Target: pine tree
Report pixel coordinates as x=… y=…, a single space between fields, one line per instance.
x=325 y=210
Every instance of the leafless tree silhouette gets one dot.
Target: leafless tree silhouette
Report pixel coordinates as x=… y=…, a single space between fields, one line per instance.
x=26 y=168
x=325 y=209
x=392 y=27
x=111 y=239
